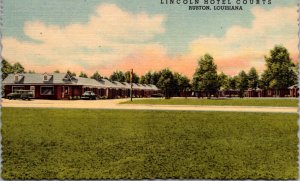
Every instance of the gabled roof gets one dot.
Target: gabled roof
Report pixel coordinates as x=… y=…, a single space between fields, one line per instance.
x=85 y=81
x=62 y=78
x=27 y=78
x=126 y=85
x=119 y=85
x=106 y=83
x=153 y=87
x=293 y=86
x=136 y=86
x=148 y=87
x=143 y=86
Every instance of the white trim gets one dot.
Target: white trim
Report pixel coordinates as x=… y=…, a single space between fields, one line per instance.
x=46 y=94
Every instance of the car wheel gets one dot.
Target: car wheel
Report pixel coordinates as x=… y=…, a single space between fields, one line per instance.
x=9 y=98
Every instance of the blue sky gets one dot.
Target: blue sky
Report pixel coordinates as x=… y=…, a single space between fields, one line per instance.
x=180 y=21
x=181 y=27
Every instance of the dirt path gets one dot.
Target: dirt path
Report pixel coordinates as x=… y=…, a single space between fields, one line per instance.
x=114 y=104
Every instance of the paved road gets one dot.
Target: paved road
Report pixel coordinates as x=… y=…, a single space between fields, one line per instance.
x=114 y=104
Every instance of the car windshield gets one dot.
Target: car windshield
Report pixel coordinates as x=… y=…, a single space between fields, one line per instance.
x=88 y=93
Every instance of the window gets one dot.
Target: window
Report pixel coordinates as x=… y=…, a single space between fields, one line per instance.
x=47 y=90
x=66 y=90
x=45 y=77
x=16 y=78
x=16 y=88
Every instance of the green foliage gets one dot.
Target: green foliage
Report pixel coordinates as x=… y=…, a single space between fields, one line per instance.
x=82 y=74
x=206 y=78
x=150 y=78
x=117 y=76
x=31 y=72
x=220 y=102
x=8 y=68
x=72 y=74
x=242 y=83
x=142 y=80
x=253 y=79
x=114 y=144
x=18 y=68
x=135 y=78
x=166 y=82
x=56 y=71
x=233 y=82
x=223 y=81
x=181 y=82
x=280 y=72
x=96 y=76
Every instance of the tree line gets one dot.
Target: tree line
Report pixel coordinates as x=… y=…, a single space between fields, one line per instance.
x=280 y=73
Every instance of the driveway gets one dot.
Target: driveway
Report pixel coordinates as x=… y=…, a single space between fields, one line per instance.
x=114 y=104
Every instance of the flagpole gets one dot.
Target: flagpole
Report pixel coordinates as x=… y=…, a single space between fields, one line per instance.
x=131 y=77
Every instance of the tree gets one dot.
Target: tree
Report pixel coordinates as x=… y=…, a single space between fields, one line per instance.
x=148 y=78
x=18 y=68
x=72 y=74
x=166 y=82
x=31 y=72
x=181 y=82
x=223 y=81
x=233 y=82
x=117 y=76
x=296 y=71
x=96 y=76
x=143 y=80
x=253 y=79
x=135 y=78
x=56 y=71
x=242 y=83
x=6 y=69
x=205 y=77
x=82 y=74
x=155 y=77
x=280 y=72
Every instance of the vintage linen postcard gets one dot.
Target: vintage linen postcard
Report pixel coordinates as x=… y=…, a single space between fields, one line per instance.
x=149 y=89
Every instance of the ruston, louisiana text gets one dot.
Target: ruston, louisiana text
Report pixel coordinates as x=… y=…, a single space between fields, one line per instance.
x=216 y=2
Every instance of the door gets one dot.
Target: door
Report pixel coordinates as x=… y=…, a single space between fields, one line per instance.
x=32 y=88
x=65 y=92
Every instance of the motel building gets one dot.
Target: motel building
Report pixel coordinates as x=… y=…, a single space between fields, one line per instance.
x=59 y=86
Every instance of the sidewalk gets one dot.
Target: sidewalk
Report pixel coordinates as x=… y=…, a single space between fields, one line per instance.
x=114 y=104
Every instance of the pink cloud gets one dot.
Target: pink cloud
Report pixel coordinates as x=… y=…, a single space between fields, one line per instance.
x=100 y=44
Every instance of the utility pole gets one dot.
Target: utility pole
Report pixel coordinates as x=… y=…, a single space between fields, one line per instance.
x=131 y=77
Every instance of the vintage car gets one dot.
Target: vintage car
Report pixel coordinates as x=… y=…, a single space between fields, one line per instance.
x=157 y=95
x=21 y=94
x=89 y=95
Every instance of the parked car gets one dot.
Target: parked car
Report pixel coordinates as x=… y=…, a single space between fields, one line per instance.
x=89 y=95
x=21 y=94
x=157 y=95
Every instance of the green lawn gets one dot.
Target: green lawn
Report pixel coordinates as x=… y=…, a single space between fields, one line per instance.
x=114 y=144
x=219 y=102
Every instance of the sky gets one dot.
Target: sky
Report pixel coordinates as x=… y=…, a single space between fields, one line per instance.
x=109 y=35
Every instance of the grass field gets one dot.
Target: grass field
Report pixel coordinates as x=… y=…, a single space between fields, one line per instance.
x=114 y=144
x=219 y=102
